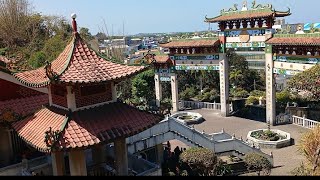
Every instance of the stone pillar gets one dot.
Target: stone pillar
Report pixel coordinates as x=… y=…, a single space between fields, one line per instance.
x=114 y=92
x=71 y=98
x=224 y=85
x=174 y=92
x=77 y=161
x=158 y=88
x=159 y=148
x=58 y=168
x=98 y=154
x=270 y=87
x=121 y=156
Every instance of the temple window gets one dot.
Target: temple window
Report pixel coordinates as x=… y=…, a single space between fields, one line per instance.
x=92 y=90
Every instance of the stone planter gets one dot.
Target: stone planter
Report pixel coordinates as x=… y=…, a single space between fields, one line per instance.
x=188 y=117
x=270 y=144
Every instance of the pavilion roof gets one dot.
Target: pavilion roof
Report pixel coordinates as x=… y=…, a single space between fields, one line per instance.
x=295 y=39
x=191 y=43
x=84 y=128
x=78 y=63
x=256 y=11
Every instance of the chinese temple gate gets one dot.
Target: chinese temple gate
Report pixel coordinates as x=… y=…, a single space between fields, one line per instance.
x=83 y=111
x=288 y=54
x=194 y=54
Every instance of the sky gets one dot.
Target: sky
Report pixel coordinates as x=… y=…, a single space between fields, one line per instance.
x=157 y=16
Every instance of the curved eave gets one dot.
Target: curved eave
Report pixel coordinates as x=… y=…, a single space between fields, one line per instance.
x=32 y=84
x=24 y=77
x=282 y=14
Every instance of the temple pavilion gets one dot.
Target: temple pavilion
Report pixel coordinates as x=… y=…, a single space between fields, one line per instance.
x=83 y=111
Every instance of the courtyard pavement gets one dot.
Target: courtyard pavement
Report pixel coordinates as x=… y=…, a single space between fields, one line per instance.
x=285 y=159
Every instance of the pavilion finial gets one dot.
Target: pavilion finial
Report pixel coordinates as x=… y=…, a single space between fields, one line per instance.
x=74 y=22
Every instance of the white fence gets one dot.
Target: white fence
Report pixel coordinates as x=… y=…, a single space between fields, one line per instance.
x=199 y=105
x=296 y=120
x=304 y=122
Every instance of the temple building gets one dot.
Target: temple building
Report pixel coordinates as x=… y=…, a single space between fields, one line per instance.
x=16 y=102
x=82 y=111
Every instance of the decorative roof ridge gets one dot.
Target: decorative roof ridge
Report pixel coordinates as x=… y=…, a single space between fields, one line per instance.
x=255 y=8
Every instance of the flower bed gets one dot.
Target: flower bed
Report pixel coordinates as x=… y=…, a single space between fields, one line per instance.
x=273 y=138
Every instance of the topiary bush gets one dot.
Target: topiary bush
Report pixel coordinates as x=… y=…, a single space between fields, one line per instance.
x=258 y=163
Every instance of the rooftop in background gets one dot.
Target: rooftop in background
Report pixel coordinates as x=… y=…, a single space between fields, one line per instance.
x=312 y=39
x=256 y=11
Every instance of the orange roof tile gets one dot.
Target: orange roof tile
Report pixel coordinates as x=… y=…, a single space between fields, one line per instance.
x=78 y=64
x=314 y=41
x=87 y=127
x=250 y=14
x=162 y=59
x=32 y=129
x=25 y=106
x=190 y=43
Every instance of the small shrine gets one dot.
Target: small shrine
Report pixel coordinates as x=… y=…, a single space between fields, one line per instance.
x=83 y=110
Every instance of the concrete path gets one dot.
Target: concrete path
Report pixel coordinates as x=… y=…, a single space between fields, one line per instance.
x=285 y=159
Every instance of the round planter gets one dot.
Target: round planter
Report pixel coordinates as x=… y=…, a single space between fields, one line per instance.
x=188 y=117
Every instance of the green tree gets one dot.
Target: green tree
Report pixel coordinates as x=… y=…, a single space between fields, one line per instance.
x=85 y=34
x=37 y=59
x=258 y=163
x=308 y=80
x=14 y=23
x=241 y=76
x=202 y=161
x=143 y=86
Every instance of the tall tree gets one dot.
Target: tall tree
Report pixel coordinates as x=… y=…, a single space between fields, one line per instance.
x=308 y=80
x=240 y=74
x=85 y=34
x=143 y=86
x=14 y=22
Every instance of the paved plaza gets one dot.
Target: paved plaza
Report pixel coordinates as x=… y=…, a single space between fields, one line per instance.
x=285 y=159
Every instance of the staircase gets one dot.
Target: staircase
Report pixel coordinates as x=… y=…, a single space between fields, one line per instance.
x=170 y=129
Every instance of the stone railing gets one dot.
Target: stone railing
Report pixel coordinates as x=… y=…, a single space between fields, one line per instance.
x=304 y=122
x=170 y=129
x=199 y=105
x=33 y=165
